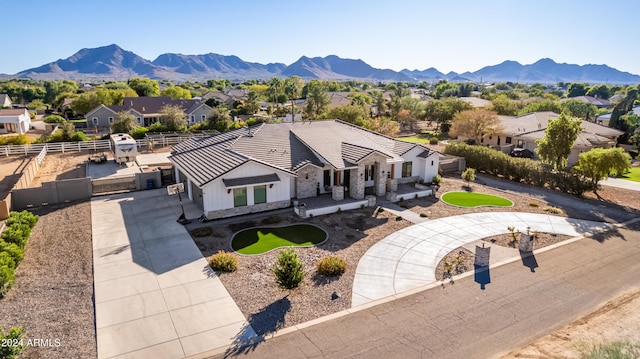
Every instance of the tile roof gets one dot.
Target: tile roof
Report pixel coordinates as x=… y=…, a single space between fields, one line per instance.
x=285 y=146
x=12 y=112
x=153 y=105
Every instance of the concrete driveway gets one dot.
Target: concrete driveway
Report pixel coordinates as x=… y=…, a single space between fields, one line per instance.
x=620 y=183
x=407 y=259
x=155 y=295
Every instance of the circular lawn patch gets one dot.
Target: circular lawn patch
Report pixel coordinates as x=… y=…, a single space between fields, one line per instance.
x=473 y=199
x=258 y=240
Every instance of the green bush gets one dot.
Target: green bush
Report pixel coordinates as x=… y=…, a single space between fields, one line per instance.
x=224 y=262
x=157 y=127
x=525 y=170
x=54 y=119
x=12 y=250
x=7 y=279
x=78 y=137
x=139 y=133
x=14 y=140
x=331 y=266
x=433 y=140
x=24 y=217
x=17 y=234
x=14 y=336
x=436 y=180
x=7 y=260
x=289 y=270
x=633 y=153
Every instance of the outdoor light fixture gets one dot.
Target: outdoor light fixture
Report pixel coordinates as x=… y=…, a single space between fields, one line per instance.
x=228 y=190
x=271 y=185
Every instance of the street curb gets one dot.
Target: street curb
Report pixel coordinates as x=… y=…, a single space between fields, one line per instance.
x=326 y=318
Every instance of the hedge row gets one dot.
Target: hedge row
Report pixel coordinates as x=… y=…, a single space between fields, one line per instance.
x=523 y=170
x=12 y=243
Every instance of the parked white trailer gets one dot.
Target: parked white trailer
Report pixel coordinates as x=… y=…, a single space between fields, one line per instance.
x=124 y=148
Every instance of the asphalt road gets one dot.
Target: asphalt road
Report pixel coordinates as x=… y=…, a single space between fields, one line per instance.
x=521 y=302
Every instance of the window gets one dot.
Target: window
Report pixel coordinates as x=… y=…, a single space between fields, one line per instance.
x=239 y=197
x=192 y=119
x=95 y=121
x=507 y=140
x=139 y=120
x=260 y=194
x=204 y=117
x=406 y=169
x=110 y=119
x=431 y=163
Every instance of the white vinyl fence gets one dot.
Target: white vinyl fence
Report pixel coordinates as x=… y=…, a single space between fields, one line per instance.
x=98 y=145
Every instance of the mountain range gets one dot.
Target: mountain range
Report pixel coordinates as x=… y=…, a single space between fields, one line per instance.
x=114 y=63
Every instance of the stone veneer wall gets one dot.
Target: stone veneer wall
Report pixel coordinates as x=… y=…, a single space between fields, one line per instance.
x=307 y=183
x=236 y=211
x=337 y=193
x=356 y=180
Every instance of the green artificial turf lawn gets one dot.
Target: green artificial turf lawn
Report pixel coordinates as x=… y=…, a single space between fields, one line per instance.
x=472 y=199
x=633 y=175
x=263 y=239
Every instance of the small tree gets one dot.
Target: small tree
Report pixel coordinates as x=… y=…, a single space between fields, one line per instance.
x=219 y=119
x=469 y=175
x=559 y=137
x=289 y=270
x=475 y=124
x=124 y=123
x=173 y=117
x=599 y=163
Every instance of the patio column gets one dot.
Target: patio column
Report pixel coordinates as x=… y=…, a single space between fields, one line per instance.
x=356 y=182
x=380 y=179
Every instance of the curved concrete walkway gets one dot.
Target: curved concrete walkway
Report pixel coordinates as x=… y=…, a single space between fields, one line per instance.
x=408 y=258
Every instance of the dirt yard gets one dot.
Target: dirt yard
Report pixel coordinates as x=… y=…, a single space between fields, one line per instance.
x=53 y=295
x=10 y=171
x=617 y=320
x=61 y=166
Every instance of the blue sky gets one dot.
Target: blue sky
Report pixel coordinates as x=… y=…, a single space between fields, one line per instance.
x=460 y=35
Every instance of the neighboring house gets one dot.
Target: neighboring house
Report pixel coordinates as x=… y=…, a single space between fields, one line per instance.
x=146 y=110
x=523 y=131
x=220 y=97
x=598 y=102
x=14 y=120
x=606 y=117
x=477 y=102
x=266 y=166
x=5 y=101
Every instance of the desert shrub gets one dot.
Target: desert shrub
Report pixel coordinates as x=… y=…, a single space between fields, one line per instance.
x=617 y=350
x=13 y=336
x=339 y=210
x=552 y=210
x=488 y=160
x=139 y=132
x=273 y=219
x=423 y=215
x=534 y=204
x=436 y=180
x=12 y=250
x=54 y=119
x=17 y=234
x=469 y=175
x=289 y=270
x=7 y=279
x=24 y=217
x=433 y=140
x=14 y=140
x=331 y=266
x=398 y=218
x=202 y=232
x=224 y=262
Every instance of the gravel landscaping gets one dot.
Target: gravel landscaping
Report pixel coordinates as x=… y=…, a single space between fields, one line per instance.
x=53 y=295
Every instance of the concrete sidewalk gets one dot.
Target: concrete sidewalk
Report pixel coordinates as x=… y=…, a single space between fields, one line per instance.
x=408 y=258
x=620 y=183
x=155 y=295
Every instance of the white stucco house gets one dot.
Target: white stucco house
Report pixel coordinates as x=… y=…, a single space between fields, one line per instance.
x=270 y=166
x=523 y=132
x=14 y=121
